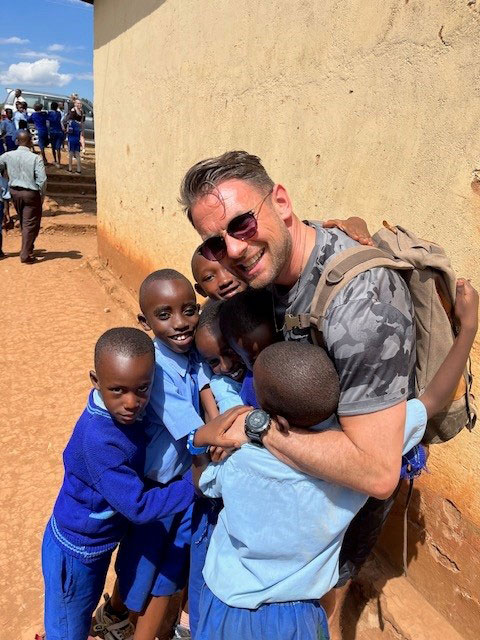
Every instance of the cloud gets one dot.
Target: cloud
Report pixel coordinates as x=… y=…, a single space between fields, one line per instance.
x=31 y=55
x=56 y=47
x=84 y=76
x=13 y=40
x=41 y=73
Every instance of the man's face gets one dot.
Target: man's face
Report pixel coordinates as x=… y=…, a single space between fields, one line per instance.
x=221 y=358
x=258 y=260
x=171 y=312
x=124 y=384
x=213 y=280
x=18 y=93
x=78 y=105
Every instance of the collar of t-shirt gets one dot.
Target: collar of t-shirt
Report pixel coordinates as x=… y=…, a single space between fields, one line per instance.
x=178 y=361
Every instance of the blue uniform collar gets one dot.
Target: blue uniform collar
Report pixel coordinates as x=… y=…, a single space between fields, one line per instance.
x=179 y=361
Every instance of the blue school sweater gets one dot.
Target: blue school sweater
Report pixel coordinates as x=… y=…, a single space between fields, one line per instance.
x=55 y=121
x=39 y=119
x=103 y=485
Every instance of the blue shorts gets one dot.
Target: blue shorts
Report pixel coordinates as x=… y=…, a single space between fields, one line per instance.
x=73 y=144
x=204 y=519
x=302 y=620
x=72 y=589
x=56 y=138
x=153 y=559
x=42 y=139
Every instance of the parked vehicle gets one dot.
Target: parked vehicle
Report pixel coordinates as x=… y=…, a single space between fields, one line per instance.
x=32 y=97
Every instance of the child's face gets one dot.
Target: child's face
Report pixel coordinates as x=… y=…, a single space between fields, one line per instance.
x=9 y=113
x=250 y=345
x=124 y=384
x=221 y=358
x=213 y=280
x=171 y=312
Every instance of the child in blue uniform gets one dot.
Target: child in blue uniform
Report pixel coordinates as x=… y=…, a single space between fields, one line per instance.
x=55 y=131
x=74 y=132
x=103 y=486
x=9 y=131
x=152 y=561
x=5 y=198
x=39 y=118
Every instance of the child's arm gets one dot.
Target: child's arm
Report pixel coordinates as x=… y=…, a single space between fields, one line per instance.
x=208 y=403
x=124 y=490
x=199 y=464
x=445 y=382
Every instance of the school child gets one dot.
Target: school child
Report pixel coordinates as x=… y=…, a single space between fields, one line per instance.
x=20 y=115
x=8 y=130
x=74 y=132
x=282 y=568
x=39 y=119
x=152 y=561
x=4 y=208
x=103 y=486
x=55 y=132
x=212 y=280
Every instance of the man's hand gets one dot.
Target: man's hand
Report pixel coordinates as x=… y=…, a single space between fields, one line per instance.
x=224 y=430
x=354 y=227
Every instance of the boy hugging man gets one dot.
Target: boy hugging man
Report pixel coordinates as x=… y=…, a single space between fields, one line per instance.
x=103 y=486
x=286 y=558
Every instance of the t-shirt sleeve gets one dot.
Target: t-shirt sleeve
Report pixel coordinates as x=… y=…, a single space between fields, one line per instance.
x=415 y=424
x=371 y=342
x=210 y=483
x=175 y=411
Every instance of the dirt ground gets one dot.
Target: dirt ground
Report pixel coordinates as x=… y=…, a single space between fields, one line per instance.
x=53 y=312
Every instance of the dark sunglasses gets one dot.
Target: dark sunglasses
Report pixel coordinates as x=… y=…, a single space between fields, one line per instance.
x=242 y=227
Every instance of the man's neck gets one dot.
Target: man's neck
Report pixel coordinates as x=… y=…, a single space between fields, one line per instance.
x=303 y=241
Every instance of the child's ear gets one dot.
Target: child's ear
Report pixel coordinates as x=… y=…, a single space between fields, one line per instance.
x=200 y=291
x=94 y=379
x=283 y=425
x=143 y=321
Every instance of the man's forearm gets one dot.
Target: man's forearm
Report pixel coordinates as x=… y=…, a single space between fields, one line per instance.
x=332 y=456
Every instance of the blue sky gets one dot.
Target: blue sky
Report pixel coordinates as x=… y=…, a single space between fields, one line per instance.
x=47 y=45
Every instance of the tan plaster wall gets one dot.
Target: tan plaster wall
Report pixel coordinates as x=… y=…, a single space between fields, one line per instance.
x=358 y=107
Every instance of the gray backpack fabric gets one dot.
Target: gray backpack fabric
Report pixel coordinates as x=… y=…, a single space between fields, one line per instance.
x=432 y=283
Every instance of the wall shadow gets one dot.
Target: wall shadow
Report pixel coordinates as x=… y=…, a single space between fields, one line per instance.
x=130 y=14
x=385 y=563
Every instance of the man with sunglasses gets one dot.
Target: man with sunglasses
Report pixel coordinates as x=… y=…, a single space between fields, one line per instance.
x=247 y=223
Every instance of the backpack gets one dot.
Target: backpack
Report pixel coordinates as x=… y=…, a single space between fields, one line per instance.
x=431 y=281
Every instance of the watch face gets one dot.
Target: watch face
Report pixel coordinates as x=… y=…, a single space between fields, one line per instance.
x=257 y=421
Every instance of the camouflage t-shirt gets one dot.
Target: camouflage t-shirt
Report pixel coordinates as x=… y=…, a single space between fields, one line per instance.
x=368 y=329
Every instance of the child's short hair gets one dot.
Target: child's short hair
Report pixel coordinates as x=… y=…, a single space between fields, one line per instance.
x=54 y=105
x=297 y=381
x=38 y=106
x=160 y=275
x=243 y=313
x=124 y=341
x=210 y=315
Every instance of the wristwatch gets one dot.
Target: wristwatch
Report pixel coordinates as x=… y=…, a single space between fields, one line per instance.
x=257 y=424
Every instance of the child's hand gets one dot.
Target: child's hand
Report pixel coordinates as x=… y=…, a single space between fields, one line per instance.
x=466 y=306
x=226 y=430
x=354 y=227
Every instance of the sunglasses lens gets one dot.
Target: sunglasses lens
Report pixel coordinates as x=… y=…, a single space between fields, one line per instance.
x=213 y=248
x=243 y=227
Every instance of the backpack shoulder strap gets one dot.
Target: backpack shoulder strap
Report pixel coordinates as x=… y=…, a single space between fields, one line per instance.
x=338 y=272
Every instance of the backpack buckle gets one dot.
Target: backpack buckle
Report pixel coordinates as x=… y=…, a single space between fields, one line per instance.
x=334 y=276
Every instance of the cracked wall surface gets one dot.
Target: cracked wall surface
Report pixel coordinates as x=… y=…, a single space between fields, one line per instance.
x=368 y=108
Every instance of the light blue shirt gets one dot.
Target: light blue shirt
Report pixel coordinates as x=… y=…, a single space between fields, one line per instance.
x=19 y=115
x=279 y=534
x=174 y=411
x=8 y=128
x=25 y=169
x=226 y=392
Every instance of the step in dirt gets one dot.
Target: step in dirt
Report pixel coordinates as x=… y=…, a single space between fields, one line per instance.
x=54 y=186
x=71 y=196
